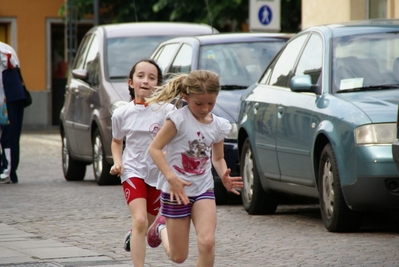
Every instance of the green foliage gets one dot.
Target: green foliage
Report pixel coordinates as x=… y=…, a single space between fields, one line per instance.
x=225 y=15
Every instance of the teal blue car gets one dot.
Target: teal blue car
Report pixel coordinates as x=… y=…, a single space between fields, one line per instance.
x=320 y=123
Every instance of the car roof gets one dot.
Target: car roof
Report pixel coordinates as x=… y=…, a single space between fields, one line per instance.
x=233 y=37
x=155 y=28
x=358 y=27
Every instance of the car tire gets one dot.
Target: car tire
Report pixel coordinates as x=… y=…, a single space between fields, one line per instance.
x=254 y=199
x=335 y=213
x=74 y=170
x=101 y=167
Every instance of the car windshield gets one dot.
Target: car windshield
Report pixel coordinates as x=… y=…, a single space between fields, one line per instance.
x=239 y=64
x=365 y=62
x=124 y=52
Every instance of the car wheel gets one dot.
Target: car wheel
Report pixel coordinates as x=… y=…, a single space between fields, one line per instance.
x=254 y=199
x=336 y=215
x=101 y=166
x=74 y=170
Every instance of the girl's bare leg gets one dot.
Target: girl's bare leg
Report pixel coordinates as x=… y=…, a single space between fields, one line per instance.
x=140 y=222
x=175 y=238
x=204 y=219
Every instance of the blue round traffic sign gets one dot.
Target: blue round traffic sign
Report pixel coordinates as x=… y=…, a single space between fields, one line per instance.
x=265 y=15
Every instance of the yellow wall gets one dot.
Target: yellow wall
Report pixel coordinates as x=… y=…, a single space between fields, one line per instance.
x=393 y=8
x=317 y=12
x=358 y=10
x=31 y=36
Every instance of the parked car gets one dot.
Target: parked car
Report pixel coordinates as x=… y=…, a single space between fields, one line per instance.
x=239 y=58
x=320 y=123
x=395 y=145
x=97 y=85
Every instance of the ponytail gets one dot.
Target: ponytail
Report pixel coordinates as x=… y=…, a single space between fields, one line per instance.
x=197 y=82
x=172 y=89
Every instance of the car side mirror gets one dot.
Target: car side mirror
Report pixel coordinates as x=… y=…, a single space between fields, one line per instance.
x=302 y=83
x=79 y=74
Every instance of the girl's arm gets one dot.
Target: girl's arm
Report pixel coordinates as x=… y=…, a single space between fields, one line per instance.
x=163 y=137
x=116 y=149
x=219 y=163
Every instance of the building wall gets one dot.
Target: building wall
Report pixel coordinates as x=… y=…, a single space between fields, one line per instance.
x=28 y=37
x=318 y=12
x=393 y=8
x=31 y=36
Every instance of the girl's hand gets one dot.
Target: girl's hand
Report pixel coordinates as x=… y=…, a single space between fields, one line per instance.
x=116 y=169
x=231 y=183
x=177 y=190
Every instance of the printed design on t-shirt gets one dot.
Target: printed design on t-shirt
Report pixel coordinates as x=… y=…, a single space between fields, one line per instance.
x=194 y=159
x=127 y=193
x=154 y=128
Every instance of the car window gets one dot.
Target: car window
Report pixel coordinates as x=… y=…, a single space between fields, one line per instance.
x=239 y=64
x=365 y=60
x=124 y=52
x=92 y=62
x=311 y=59
x=282 y=68
x=164 y=55
x=182 y=62
x=81 y=54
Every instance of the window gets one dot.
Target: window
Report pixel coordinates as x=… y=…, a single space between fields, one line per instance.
x=311 y=59
x=164 y=56
x=182 y=62
x=80 y=56
x=92 y=63
x=123 y=52
x=282 y=68
x=377 y=9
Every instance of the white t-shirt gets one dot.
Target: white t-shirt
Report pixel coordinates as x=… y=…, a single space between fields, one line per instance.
x=189 y=152
x=5 y=61
x=139 y=124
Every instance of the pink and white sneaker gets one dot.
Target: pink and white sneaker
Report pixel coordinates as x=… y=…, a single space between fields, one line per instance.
x=153 y=238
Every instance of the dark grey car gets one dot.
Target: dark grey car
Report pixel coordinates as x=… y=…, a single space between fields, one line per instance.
x=239 y=58
x=97 y=85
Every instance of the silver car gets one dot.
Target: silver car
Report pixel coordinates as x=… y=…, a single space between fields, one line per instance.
x=97 y=85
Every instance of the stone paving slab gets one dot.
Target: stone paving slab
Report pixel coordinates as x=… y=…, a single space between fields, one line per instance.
x=48 y=211
x=21 y=249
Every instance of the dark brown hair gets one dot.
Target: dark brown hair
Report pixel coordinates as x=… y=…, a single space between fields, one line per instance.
x=133 y=70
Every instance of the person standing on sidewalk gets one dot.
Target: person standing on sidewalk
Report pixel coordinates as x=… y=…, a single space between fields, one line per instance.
x=138 y=123
x=194 y=140
x=15 y=99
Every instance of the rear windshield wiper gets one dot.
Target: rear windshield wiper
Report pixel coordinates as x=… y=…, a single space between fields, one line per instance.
x=370 y=88
x=231 y=86
x=118 y=77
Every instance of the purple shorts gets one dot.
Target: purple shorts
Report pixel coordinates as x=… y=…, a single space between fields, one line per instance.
x=174 y=210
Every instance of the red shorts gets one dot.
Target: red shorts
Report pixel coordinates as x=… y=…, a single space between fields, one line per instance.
x=134 y=188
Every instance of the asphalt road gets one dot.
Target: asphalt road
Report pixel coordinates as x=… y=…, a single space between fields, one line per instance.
x=95 y=218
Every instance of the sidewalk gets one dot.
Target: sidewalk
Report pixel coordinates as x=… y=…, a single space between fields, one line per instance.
x=21 y=249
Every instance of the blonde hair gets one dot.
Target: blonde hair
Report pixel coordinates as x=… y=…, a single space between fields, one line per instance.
x=196 y=82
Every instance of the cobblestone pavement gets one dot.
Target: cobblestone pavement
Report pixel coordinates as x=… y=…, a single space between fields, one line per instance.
x=88 y=216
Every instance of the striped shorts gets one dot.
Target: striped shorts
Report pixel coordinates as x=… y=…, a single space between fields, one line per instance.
x=171 y=209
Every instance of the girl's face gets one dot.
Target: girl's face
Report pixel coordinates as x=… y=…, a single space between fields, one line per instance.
x=144 y=79
x=201 y=105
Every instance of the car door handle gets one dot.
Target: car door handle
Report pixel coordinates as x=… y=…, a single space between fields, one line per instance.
x=280 y=111
x=256 y=107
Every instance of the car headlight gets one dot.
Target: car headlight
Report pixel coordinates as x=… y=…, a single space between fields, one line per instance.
x=384 y=133
x=117 y=104
x=233 y=132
